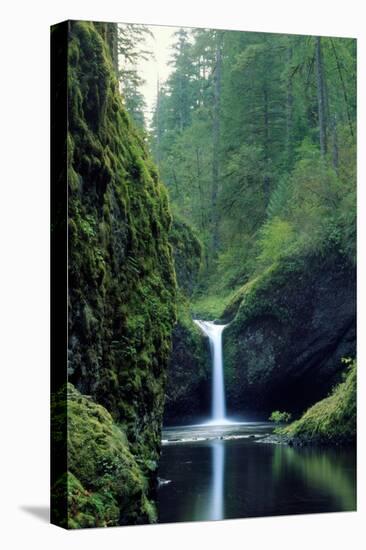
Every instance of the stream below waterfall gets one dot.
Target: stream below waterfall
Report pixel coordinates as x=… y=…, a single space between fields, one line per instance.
x=224 y=469
x=204 y=477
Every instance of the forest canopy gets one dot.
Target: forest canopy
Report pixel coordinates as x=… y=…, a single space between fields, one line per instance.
x=254 y=135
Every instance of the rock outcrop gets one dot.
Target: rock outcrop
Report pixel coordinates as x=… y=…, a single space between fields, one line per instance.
x=189 y=371
x=290 y=328
x=188 y=394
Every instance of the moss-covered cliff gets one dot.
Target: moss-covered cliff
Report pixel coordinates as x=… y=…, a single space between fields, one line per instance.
x=187 y=254
x=291 y=327
x=121 y=274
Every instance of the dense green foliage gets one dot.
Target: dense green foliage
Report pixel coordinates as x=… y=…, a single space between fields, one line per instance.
x=122 y=287
x=249 y=151
x=332 y=420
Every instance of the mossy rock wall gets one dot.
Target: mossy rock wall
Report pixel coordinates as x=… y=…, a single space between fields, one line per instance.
x=187 y=254
x=122 y=288
x=189 y=371
x=294 y=323
x=188 y=391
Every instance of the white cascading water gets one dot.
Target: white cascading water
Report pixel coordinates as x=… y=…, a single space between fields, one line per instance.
x=214 y=333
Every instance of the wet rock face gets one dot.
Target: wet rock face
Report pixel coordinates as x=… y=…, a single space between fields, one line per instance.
x=284 y=347
x=189 y=370
x=188 y=395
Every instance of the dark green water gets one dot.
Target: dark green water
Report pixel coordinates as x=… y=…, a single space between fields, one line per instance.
x=238 y=476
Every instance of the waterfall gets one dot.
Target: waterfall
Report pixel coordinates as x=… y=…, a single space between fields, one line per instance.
x=214 y=333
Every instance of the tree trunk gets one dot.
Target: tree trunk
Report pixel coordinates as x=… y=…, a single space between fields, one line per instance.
x=345 y=95
x=335 y=145
x=289 y=110
x=321 y=96
x=181 y=104
x=266 y=178
x=200 y=190
x=216 y=144
x=158 y=158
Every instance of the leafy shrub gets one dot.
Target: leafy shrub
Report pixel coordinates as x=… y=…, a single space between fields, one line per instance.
x=280 y=417
x=276 y=240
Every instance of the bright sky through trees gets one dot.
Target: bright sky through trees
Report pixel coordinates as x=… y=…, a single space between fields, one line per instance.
x=156 y=67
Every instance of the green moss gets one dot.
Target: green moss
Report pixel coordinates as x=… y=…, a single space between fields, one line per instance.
x=189 y=364
x=210 y=306
x=263 y=295
x=331 y=420
x=87 y=508
x=187 y=254
x=105 y=484
x=232 y=305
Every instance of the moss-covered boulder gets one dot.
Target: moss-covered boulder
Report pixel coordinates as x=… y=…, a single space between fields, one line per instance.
x=291 y=327
x=330 y=421
x=105 y=483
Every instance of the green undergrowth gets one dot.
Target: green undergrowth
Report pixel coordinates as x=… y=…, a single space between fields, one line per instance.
x=210 y=306
x=331 y=420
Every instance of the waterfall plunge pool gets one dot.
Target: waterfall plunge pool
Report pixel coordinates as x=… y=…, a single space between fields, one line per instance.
x=222 y=472
x=221 y=469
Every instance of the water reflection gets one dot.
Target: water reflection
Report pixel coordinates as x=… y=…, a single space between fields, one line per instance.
x=237 y=477
x=218 y=465
x=327 y=470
